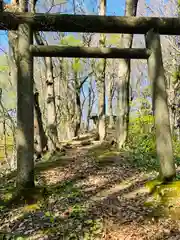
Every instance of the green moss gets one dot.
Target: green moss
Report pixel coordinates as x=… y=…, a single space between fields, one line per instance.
x=105 y=157
x=151 y=185
x=108 y=154
x=7 y=196
x=103 y=151
x=100 y=149
x=166 y=196
x=154 y=199
x=169 y=192
x=31 y=208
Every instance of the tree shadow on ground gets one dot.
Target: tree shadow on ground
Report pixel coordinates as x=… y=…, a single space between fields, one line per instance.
x=68 y=215
x=53 y=162
x=90 y=194
x=68 y=211
x=7 y=181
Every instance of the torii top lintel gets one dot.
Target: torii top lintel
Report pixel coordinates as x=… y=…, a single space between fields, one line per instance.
x=90 y=23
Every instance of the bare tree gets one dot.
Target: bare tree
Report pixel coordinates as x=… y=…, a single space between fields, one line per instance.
x=124 y=81
x=100 y=81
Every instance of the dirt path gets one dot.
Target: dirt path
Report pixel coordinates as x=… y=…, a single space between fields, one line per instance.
x=91 y=193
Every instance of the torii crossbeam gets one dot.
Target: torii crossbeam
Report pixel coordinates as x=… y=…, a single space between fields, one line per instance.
x=90 y=23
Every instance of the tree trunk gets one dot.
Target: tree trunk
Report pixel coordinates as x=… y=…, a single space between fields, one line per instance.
x=124 y=82
x=12 y=60
x=13 y=74
x=78 y=105
x=160 y=108
x=38 y=126
x=110 y=106
x=67 y=102
x=51 y=107
x=40 y=136
x=172 y=100
x=78 y=114
x=101 y=84
x=13 y=47
x=90 y=104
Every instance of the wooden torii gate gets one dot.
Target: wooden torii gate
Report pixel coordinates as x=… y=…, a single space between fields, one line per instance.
x=27 y=23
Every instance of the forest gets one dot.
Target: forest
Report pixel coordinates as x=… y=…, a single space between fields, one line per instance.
x=89 y=119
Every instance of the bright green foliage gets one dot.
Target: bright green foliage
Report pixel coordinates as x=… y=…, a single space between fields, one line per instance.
x=50 y=216
x=9 y=99
x=8 y=88
x=113 y=40
x=176 y=146
x=142 y=143
x=141 y=136
x=3 y=68
x=95 y=228
x=70 y=40
x=3 y=63
x=176 y=76
x=77 y=65
x=78 y=211
x=59 y=2
x=139 y=123
x=178 y=2
x=3 y=71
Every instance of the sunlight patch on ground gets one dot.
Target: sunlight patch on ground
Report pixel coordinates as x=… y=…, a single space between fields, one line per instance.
x=96 y=180
x=148 y=229
x=133 y=194
x=54 y=176
x=115 y=189
x=92 y=182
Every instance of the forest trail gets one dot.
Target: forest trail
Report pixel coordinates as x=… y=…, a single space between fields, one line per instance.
x=92 y=192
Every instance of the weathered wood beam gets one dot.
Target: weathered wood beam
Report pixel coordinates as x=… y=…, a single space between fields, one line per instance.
x=25 y=110
x=90 y=23
x=89 y=52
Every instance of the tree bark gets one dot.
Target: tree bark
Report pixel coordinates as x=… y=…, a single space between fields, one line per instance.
x=110 y=105
x=124 y=82
x=90 y=104
x=160 y=108
x=13 y=48
x=78 y=105
x=40 y=136
x=13 y=75
x=100 y=81
x=51 y=107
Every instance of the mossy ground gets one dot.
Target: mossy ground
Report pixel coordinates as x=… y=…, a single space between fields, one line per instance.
x=165 y=197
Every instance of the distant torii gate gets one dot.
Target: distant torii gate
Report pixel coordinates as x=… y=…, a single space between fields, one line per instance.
x=26 y=23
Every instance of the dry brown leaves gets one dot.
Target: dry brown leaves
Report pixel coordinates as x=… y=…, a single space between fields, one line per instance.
x=112 y=192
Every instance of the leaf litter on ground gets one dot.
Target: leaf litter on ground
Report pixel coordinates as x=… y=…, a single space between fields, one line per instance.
x=93 y=192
